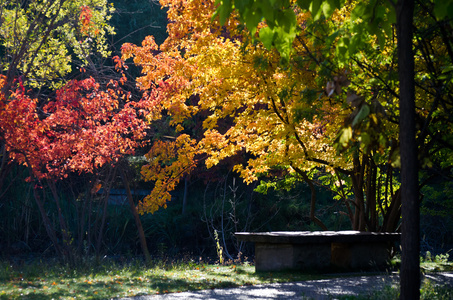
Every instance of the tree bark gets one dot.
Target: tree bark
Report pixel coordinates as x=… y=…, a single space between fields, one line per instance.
x=371 y=199
x=186 y=192
x=47 y=224
x=110 y=179
x=410 y=240
x=65 y=233
x=393 y=214
x=313 y=218
x=138 y=223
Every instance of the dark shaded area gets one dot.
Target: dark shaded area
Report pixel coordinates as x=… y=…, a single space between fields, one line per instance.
x=135 y=19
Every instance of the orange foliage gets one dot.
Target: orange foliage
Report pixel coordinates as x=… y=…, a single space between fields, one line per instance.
x=81 y=129
x=234 y=81
x=168 y=162
x=86 y=22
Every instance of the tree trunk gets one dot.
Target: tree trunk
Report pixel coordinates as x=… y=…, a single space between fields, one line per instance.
x=371 y=193
x=47 y=224
x=313 y=218
x=110 y=179
x=138 y=223
x=410 y=240
x=393 y=214
x=186 y=192
x=3 y=164
x=357 y=178
x=65 y=233
x=82 y=223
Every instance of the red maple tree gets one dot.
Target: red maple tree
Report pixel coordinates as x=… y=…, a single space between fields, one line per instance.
x=84 y=126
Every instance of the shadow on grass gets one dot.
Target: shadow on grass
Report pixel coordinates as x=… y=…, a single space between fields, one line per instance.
x=45 y=281
x=111 y=280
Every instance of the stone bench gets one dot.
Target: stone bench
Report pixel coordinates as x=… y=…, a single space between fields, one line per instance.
x=320 y=250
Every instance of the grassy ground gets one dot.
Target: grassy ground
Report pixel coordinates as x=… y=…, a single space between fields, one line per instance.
x=428 y=291
x=110 y=279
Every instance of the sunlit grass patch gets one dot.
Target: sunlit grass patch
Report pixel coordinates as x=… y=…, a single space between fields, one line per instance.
x=44 y=280
x=109 y=279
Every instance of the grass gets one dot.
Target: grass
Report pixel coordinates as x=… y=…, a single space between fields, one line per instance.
x=111 y=279
x=428 y=291
x=46 y=280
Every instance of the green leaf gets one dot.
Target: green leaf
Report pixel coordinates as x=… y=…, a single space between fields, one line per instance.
x=345 y=136
x=252 y=18
x=283 y=43
x=387 y=27
x=365 y=139
x=304 y=4
x=315 y=9
x=362 y=114
x=329 y=6
x=364 y=10
x=267 y=37
x=396 y=159
x=243 y=5
x=331 y=38
x=287 y=19
x=225 y=10
x=268 y=11
x=342 y=49
x=380 y=37
x=443 y=8
x=391 y=15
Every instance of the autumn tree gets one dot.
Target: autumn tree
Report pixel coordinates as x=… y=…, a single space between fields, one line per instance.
x=55 y=126
x=84 y=129
x=283 y=116
x=44 y=41
x=326 y=101
x=376 y=18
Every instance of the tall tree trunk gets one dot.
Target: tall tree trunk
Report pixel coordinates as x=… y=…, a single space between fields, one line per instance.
x=393 y=214
x=134 y=211
x=89 y=234
x=186 y=192
x=3 y=164
x=5 y=169
x=371 y=193
x=410 y=239
x=109 y=180
x=358 y=184
x=47 y=224
x=65 y=233
x=313 y=218
x=82 y=223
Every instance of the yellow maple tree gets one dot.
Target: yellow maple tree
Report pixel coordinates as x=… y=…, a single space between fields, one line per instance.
x=281 y=115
